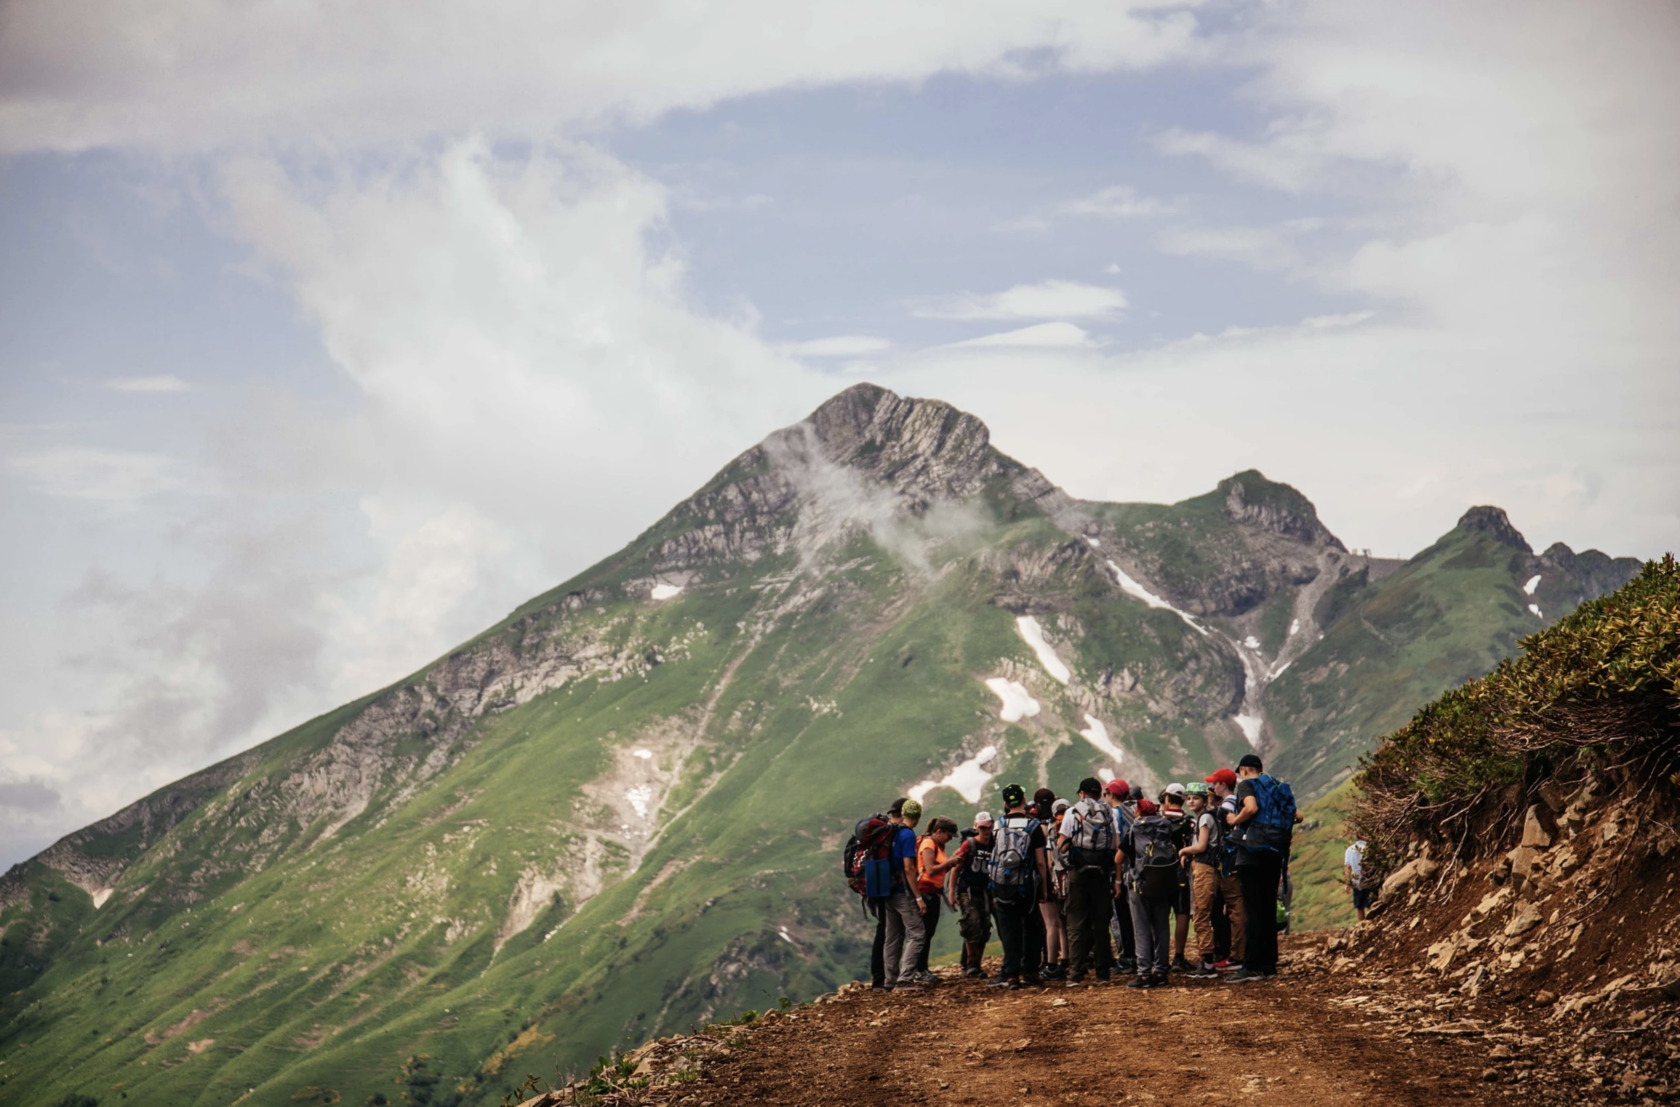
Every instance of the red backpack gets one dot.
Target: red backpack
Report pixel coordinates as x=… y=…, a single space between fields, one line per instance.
x=868 y=858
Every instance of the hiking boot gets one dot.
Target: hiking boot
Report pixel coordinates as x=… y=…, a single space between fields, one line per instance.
x=1032 y=980
x=1103 y=977
x=1159 y=980
x=1074 y=981
x=1179 y=964
x=1141 y=982
x=878 y=988
x=974 y=972
x=1002 y=982
x=1055 y=972
x=1126 y=965
x=925 y=978
x=1245 y=976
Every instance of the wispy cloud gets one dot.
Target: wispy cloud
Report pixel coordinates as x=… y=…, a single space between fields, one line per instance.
x=1117 y=202
x=114 y=478
x=839 y=345
x=164 y=382
x=1044 y=300
x=1043 y=336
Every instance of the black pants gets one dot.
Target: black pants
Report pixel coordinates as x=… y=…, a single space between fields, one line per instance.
x=1014 y=926
x=1123 y=922
x=1086 y=914
x=930 y=923
x=1037 y=939
x=1221 y=928
x=1259 y=879
x=878 y=952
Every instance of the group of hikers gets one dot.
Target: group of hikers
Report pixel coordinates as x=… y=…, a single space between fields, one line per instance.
x=1109 y=882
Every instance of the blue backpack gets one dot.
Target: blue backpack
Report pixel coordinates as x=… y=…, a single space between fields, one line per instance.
x=1271 y=830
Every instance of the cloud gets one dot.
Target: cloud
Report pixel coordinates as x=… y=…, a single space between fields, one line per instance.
x=1045 y=300
x=1044 y=336
x=88 y=73
x=1117 y=202
x=840 y=345
x=1265 y=248
x=28 y=795
x=119 y=479
x=166 y=382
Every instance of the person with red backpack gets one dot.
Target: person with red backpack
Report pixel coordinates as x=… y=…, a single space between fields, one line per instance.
x=867 y=865
x=1263 y=828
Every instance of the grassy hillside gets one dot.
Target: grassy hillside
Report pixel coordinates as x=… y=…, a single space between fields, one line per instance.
x=612 y=815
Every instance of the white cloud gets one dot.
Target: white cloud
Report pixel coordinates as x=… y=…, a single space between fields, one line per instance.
x=166 y=382
x=1117 y=202
x=1044 y=336
x=119 y=479
x=1266 y=248
x=181 y=74
x=1045 y=300
x=840 y=345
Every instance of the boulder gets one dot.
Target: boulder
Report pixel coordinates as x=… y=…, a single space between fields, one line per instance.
x=1538 y=827
x=1524 y=917
x=1419 y=868
x=1522 y=860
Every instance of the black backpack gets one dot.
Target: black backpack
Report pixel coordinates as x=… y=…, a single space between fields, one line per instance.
x=1155 y=845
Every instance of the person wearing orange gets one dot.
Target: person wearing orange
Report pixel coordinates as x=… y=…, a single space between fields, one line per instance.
x=931 y=866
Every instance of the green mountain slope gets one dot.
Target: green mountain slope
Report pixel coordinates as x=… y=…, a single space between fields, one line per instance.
x=619 y=810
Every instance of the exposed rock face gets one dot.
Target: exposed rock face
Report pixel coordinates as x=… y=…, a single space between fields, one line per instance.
x=1492 y=520
x=1254 y=501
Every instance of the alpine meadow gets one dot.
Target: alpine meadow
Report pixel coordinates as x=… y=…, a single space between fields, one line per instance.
x=618 y=812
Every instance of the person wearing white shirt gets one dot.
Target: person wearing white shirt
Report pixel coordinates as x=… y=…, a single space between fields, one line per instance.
x=1353 y=875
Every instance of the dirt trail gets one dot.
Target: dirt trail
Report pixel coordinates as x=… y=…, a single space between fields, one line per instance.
x=1292 y=1042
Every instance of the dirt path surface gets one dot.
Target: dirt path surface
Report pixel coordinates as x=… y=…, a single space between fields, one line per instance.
x=1302 y=1040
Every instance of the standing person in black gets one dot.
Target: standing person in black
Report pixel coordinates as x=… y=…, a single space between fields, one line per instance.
x=1117 y=794
x=1017 y=870
x=878 y=952
x=1259 y=868
x=1089 y=842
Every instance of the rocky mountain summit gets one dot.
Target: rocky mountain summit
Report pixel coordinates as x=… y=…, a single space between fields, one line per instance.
x=574 y=830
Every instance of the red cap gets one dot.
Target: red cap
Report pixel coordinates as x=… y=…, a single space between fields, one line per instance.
x=1222 y=776
x=1118 y=787
x=1147 y=807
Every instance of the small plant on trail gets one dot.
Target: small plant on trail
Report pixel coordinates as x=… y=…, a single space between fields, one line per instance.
x=531 y=1087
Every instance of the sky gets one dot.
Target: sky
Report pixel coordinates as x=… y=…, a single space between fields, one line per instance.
x=330 y=333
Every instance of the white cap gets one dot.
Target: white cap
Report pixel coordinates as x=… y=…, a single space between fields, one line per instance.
x=1059 y=805
x=1175 y=789
x=982 y=819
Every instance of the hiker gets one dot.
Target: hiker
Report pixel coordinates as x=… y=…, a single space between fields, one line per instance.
x=1152 y=861
x=877 y=907
x=906 y=934
x=1172 y=808
x=1203 y=855
x=1228 y=902
x=1265 y=824
x=1015 y=871
x=1088 y=842
x=968 y=893
x=931 y=867
x=1353 y=875
x=1117 y=793
x=1050 y=936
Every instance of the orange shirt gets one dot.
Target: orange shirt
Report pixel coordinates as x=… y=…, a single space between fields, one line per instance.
x=928 y=854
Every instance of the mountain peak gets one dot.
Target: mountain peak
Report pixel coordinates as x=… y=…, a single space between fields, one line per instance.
x=917 y=445
x=1253 y=499
x=1493 y=521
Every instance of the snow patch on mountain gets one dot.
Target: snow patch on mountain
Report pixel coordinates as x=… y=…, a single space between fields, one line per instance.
x=1137 y=591
x=1033 y=634
x=1534 y=607
x=1533 y=583
x=968 y=779
x=1097 y=734
x=1017 y=704
x=665 y=591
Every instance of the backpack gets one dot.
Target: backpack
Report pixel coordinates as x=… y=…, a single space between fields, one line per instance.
x=868 y=858
x=1155 y=844
x=1094 y=839
x=1010 y=869
x=1272 y=828
x=1227 y=838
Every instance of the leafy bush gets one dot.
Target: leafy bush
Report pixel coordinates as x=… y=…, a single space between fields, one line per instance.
x=1601 y=687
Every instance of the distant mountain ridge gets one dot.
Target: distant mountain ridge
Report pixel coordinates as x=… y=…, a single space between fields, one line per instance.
x=615 y=811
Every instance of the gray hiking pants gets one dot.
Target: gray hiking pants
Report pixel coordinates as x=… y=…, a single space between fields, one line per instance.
x=1152 y=933
x=905 y=936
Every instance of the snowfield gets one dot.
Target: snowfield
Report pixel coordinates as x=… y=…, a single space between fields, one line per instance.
x=1097 y=734
x=1533 y=583
x=665 y=591
x=968 y=778
x=1033 y=634
x=1017 y=704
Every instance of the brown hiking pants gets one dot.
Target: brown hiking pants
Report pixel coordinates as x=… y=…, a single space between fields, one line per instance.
x=1205 y=882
